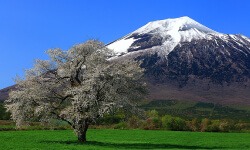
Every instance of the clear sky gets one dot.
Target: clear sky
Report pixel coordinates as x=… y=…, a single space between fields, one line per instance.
x=29 y=27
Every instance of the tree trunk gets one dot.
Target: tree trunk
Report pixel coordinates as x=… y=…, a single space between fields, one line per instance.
x=82 y=132
x=82 y=136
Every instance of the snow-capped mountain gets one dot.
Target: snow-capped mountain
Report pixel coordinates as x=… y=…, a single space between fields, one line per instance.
x=186 y=60
x=164 y=35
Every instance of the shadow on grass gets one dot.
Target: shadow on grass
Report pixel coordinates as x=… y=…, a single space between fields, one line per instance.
x=133 y=145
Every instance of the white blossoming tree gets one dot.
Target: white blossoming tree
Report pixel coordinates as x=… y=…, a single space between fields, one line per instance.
x=77 y=86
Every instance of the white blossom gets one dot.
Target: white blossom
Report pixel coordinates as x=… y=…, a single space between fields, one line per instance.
x=77 y=86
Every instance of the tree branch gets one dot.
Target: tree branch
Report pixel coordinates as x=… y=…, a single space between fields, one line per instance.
x=63 y=119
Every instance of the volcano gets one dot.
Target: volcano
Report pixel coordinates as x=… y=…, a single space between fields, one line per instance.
x=185 y=60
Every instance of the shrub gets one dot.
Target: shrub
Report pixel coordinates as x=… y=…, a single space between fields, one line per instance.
x=194 y=125
x=153 y=114
x=121 y=125
x=178 y=124
x=225 y=126
x=111 y=119
x=204 y=124
x=166 y=122
x=148 y=125
x=214 y=127
x=3 y=114
x=133 y=123
x=174 y=123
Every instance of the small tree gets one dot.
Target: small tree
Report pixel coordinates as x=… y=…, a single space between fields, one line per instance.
x=77 y=86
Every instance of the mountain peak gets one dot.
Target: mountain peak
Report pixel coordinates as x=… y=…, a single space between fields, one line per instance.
x=162 y=36
x=177 y=24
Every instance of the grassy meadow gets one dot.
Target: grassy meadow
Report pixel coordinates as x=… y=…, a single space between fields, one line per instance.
x=142 y=134
x=123 y=139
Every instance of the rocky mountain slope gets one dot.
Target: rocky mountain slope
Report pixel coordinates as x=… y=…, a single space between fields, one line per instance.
x=185 y=60
x=4 y=93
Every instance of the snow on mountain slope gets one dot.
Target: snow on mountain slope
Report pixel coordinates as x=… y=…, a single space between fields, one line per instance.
x=163 y=36
x=122 y=45
x=173 y=26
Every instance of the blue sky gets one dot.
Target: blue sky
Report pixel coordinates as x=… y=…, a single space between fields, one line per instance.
x=29 y=27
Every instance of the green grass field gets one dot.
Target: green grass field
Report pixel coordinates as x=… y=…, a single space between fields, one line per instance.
x=123 y=139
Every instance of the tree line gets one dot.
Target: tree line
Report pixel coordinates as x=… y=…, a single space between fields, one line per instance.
x=155 y=121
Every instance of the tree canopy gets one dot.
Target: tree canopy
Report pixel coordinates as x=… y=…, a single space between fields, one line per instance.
x=77 y=86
